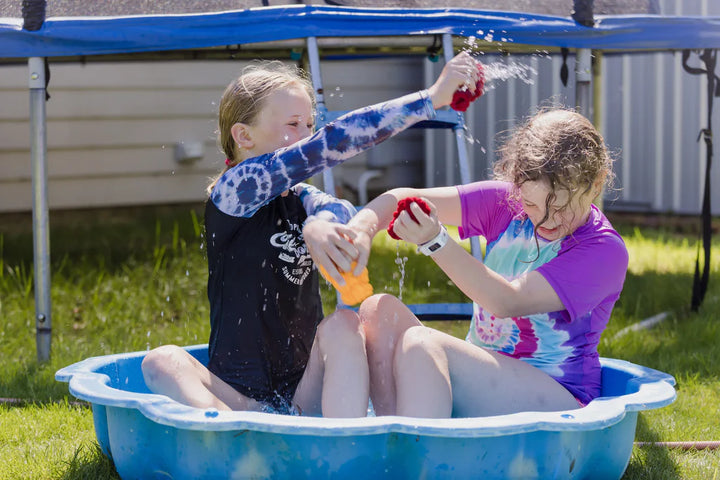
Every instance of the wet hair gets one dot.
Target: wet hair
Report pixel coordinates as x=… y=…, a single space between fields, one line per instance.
x=559 y=146
x=245 y=97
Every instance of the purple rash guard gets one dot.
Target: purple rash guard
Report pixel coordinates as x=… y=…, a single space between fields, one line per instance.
x=586 y=269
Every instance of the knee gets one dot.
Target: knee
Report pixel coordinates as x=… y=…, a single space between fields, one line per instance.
x=380 y=311
x=342 y=328
x=414 y=348
x=161 y=361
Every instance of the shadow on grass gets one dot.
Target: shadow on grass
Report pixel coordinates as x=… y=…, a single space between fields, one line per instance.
x=650 y=463
x=89 y=463
x=31 y=383
x=109 y=237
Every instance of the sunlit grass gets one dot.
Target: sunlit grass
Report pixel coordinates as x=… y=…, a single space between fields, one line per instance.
x=136 y=279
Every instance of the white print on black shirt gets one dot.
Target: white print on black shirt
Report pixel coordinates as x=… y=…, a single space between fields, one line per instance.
x=293 y=251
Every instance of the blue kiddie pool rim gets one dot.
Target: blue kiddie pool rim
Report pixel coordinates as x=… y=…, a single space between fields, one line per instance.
x=646 y=389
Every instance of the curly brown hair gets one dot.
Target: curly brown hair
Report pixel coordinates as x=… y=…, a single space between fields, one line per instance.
x=559 y=146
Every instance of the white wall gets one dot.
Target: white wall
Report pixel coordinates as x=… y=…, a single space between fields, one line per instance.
x=112 y=127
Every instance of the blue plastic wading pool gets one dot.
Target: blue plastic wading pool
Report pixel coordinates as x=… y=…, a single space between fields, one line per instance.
x=151 y=436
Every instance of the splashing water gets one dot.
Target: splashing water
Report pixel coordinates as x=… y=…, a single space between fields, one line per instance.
x=400 y=262
x=499 y=72
x=339 y=92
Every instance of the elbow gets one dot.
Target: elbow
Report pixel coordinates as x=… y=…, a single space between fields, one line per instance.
x=506 y=304
x=501 y=311
x=402 y=192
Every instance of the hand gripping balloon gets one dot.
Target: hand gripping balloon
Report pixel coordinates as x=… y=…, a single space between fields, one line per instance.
x=356 y=288
x=463 y=98
x=404 y=204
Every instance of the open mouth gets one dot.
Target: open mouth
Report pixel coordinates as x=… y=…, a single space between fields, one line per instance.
x=547 y=232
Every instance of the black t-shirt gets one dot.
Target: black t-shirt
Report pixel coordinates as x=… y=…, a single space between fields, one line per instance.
x=264 y=298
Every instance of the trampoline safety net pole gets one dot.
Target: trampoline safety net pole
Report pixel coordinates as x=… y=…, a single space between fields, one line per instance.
x=459 y=132
x=585 y=93
x=41 y=229
x=316 y=78
x=583 y=77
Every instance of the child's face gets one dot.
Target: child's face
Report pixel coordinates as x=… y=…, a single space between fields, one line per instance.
x=561 y=221
x=286 y=117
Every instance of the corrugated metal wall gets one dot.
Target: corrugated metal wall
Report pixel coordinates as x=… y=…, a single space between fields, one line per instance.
x=652 y=110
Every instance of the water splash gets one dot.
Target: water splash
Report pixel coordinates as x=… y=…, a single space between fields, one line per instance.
x=501 y=71
x=496 y=72
x=400 y=262
x=339 y=92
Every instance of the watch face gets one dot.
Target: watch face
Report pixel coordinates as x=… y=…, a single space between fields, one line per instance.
x=434 y=247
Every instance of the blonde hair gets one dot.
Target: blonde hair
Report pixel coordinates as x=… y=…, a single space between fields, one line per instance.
x=245 y=96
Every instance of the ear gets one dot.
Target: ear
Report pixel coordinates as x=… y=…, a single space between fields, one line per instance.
x=241 y=134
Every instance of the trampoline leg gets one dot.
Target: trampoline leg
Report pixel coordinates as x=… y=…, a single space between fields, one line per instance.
x=41 y=229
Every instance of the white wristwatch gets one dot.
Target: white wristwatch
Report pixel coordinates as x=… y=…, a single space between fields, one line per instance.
x=436 y=243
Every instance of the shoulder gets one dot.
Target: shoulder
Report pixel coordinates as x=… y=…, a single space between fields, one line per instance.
x=595 y=247
x=598 y=233
x=486 y=187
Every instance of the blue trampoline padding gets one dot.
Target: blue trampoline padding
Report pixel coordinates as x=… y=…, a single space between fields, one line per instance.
x=442 y=311
x=69 y=36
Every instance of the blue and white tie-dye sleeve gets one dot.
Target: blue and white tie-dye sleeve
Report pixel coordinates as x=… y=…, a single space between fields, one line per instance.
x=245 y=188
x=320 y=205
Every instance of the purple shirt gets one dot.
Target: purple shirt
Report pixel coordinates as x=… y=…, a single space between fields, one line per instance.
x=586 y=270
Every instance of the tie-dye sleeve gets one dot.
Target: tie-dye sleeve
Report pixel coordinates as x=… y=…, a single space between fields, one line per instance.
x=245 y=188
x=320 y=205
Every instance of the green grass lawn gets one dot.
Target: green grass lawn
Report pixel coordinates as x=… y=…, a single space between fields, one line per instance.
x=135 y=279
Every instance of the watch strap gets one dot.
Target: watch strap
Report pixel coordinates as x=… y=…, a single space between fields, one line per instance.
x=435 y=243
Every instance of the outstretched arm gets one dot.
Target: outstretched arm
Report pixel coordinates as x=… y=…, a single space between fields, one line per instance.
x=528 y=294
x=376 y=215
x=243 y=189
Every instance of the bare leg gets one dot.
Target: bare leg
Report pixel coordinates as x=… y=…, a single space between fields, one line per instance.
x=385 y=319
x=335 y=382
x=172 y=371
x=438 y=375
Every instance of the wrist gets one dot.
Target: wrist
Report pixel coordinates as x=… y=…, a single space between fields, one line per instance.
x=436 y=243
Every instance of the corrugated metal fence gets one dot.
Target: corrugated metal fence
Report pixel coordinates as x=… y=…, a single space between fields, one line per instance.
x=652 y=110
